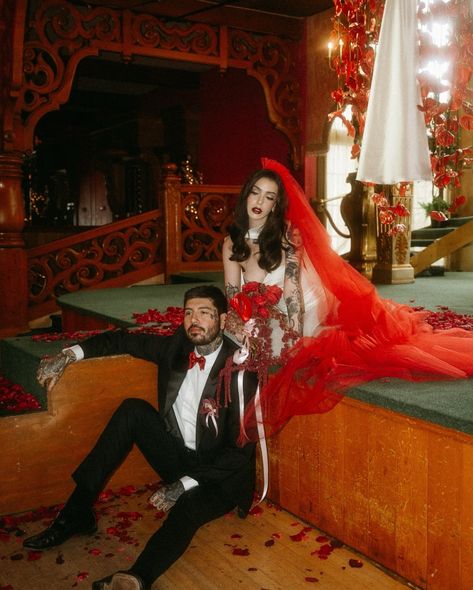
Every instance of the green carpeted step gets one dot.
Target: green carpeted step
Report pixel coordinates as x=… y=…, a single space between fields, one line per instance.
x=446 y=403
x=118 y=305
x=19 y=361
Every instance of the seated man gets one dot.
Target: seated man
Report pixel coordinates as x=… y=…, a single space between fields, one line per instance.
x=190 y=441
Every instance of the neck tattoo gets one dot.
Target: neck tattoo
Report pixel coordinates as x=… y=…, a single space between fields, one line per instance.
x=211 y=346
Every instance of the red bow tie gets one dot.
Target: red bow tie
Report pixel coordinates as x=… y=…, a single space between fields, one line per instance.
x=195 y=358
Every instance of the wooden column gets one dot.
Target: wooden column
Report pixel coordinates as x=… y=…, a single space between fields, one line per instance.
x=393 y=249
x=13 y=266
x=172 y=208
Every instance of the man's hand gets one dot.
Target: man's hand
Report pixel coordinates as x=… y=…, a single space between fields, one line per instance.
x=165 y=498
x=51 y=369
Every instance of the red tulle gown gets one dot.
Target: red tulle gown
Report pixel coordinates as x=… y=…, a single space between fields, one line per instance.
x=364 y=337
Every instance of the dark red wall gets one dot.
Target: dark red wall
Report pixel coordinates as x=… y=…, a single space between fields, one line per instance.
x=235 y=130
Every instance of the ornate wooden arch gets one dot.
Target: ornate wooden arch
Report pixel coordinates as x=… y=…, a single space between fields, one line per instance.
x=59 y=35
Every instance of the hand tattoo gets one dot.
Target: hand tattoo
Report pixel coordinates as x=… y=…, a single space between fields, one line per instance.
x=165 y=498
x=51 y=369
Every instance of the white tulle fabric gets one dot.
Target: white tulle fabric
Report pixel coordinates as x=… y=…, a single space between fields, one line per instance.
x=395 y=147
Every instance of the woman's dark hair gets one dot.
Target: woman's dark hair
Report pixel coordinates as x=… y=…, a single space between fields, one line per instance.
x=208 y=292
x=272 y=237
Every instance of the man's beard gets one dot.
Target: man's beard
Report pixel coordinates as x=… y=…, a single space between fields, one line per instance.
x=203 y=338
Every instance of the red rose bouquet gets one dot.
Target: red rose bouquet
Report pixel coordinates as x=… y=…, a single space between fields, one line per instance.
x=257 y=321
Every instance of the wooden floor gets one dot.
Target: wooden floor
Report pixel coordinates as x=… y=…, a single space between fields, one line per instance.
x=270 y=550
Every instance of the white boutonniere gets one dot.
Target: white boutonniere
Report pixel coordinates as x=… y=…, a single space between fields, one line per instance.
x=210 y=410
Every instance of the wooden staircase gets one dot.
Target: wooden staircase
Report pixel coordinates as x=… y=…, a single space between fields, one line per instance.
x=440 y=242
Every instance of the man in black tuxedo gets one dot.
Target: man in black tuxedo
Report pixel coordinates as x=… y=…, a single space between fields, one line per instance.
x=190 y=441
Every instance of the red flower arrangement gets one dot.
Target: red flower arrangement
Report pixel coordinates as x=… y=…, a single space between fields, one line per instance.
x=255 y=315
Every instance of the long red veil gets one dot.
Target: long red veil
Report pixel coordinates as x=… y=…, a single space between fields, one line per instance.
x=364 y=337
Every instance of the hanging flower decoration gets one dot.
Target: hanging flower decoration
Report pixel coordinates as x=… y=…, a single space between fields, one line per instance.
x=352 y=45
x=446 y=55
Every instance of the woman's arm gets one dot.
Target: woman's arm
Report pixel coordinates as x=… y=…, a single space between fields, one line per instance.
x=292 y=289
x=231 y=270
x=232 y=282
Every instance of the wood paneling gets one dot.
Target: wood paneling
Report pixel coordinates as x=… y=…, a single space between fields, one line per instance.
x=41 y=450
x=395 y=488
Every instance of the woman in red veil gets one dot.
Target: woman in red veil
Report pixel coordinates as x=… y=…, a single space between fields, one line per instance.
x=363 y=336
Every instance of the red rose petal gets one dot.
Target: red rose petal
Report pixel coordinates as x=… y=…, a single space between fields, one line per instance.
x=241 y=552
x=355 y=563
x=269 y=543
x=310 y=579
x=256 y=511
x=81 y=576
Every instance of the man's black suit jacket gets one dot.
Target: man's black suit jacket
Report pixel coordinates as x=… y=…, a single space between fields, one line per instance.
x=220 y=460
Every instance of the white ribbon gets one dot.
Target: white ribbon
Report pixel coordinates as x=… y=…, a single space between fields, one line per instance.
x=211 y=415
x=260 y=427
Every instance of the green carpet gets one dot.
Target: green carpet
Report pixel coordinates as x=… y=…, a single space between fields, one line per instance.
x=454 y=290
x=447 y=403
x=119 y=305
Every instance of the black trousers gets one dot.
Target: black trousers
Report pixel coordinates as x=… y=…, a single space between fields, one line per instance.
x=136 y=422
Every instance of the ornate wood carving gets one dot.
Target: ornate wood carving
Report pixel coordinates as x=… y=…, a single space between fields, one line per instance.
x=102 y=256
x=271 y=61
x=205 y=217
x=197 y=220
x=61 y=34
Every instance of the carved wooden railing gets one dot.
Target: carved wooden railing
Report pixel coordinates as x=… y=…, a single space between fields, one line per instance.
x=442 y=247
x=113 y=255
x=197 y=220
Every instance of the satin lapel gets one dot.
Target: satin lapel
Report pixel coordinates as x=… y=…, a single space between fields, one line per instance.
x=210 y=390
x=176 y=377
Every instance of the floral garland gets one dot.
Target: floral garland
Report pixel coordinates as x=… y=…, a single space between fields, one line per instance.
x=355 y=33
x=445 y=116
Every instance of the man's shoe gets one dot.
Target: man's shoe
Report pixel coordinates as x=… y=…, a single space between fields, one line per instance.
x=120 y=581
x=60 y=530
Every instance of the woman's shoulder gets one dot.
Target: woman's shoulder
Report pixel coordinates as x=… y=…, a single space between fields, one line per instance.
x=227 y=245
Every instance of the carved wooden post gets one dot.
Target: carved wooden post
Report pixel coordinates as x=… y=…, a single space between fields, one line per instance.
x=358 y=212
x=13 y=265
x=172 y=219
x=393 y=265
